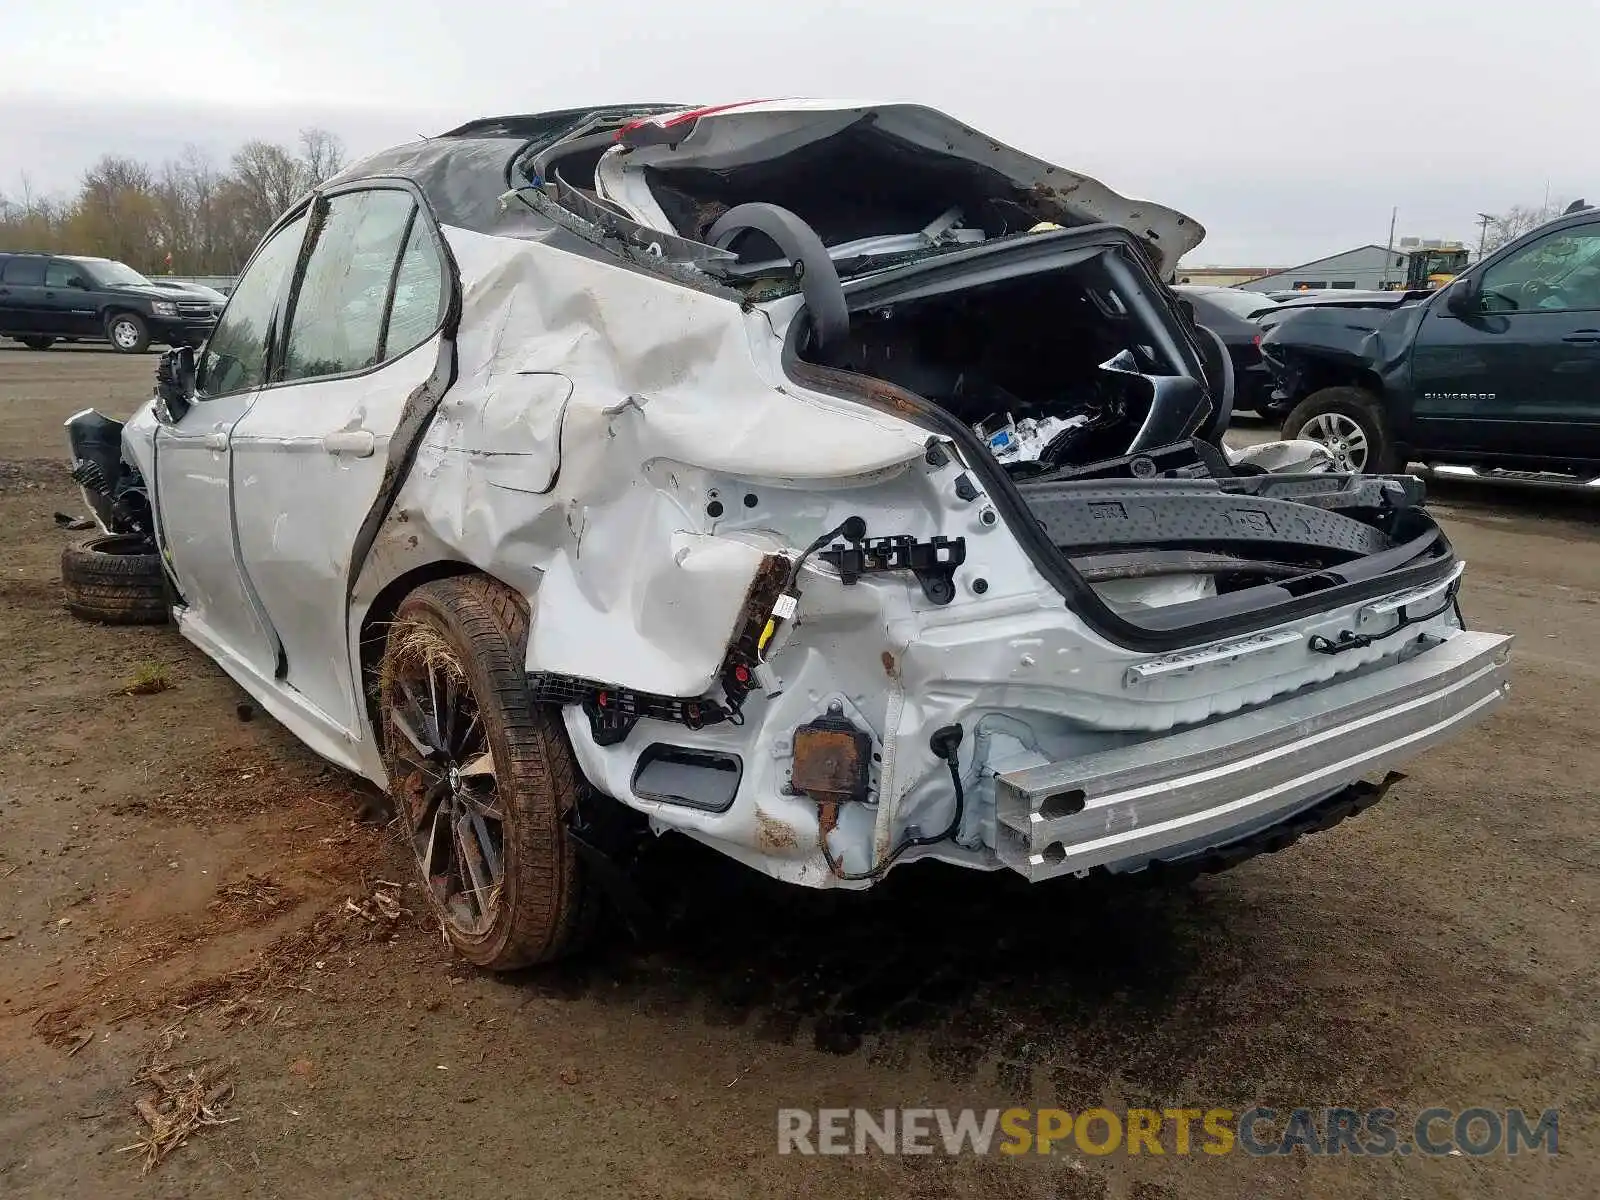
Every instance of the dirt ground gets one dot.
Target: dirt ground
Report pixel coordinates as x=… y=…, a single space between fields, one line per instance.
x=183 y=889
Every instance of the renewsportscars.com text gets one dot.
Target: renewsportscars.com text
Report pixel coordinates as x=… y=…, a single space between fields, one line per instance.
x=1259 y=1131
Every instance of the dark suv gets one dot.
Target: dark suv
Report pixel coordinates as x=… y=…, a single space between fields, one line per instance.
x=48 y=298
x=1495 y=375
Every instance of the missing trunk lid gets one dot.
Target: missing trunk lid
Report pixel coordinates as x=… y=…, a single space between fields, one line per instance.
x=1069 y=327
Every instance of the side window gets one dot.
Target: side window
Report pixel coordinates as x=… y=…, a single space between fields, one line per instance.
x=60 y=273
x=1557 y=273
x=236 y=355
x=419 y=294
x=338 y=317
x=24 y=272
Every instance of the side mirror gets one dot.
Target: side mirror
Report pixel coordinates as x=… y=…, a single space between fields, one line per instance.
x=1463 y=299
x=175 y=375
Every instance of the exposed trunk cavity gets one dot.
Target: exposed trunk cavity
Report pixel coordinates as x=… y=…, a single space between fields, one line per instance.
x=1080 y=398
x=1052 y=363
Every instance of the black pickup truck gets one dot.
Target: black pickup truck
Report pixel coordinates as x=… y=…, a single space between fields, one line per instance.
x=1496 y=375
x=46 y=298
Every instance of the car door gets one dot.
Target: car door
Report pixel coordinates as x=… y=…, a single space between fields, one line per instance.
x=1520 y=375
x=22 y=294
x=311 y=455
x=68 y=304
x=193 y=467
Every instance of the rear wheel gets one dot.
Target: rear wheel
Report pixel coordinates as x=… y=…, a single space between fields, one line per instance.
x=1350 y=423
x=117 y=580
x=38 y=343
x=128 y=333
x=481 y=779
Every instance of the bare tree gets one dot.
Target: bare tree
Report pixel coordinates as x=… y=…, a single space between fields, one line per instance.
x=267 y=179
x=185 y=216
x=116 y=214
x=30 y=221
x=321 y=153
x=1517 y=220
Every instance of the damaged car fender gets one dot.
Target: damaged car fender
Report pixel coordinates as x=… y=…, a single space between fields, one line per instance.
x=593 y=444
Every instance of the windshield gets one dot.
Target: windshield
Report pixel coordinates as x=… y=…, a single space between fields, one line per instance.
x=1239 y=304
x=1442 y=261
x=1558 y=271
x=115 y=274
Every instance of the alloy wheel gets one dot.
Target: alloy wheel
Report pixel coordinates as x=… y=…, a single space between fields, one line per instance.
x=1342 y=437
x=125 y=334
x=448 y=801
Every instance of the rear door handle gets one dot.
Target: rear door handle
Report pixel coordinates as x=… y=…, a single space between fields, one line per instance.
x=217 y=439
x=1583 y=335
x=358 y=443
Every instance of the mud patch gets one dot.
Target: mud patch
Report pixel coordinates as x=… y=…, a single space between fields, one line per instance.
x=33 y=474
x=773 y=835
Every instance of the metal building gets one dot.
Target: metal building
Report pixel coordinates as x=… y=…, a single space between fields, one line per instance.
x=1222 y=276
x=1366 y=268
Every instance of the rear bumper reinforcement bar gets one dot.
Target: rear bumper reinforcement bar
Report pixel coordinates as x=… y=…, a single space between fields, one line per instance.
x=1186 y=792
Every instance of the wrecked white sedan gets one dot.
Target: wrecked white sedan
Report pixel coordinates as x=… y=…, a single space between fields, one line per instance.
x=825 y=482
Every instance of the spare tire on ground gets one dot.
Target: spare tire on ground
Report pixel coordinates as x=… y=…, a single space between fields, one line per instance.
x=115 y=579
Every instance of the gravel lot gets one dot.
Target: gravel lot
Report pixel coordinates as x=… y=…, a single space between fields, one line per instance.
x=181 y=886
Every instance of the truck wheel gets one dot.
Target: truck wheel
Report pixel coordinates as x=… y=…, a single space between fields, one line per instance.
x=38 y=343
x=117 y=580
x=128 y=333
x=481 y=779
x=1351 y=424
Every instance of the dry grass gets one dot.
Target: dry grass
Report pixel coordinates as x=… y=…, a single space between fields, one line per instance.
x=417 y=643
x=174 y=1106
x=252 y=898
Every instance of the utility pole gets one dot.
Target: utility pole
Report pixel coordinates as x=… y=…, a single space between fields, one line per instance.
x=1388 y=257
x=1483 y=230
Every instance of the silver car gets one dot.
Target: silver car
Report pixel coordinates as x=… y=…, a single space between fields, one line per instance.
x=825 y=482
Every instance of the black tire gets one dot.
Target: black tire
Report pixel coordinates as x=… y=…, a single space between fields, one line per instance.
x=1221 y=381
x=37 y=343
x=1348 y=404
x=116 y=580
x=128 y=333
x=473 y=631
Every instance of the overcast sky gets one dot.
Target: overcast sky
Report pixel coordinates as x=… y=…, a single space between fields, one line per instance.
x=1289 y=128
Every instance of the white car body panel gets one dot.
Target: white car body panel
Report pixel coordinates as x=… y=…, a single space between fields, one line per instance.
x=193 y=486
x=308 y=461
